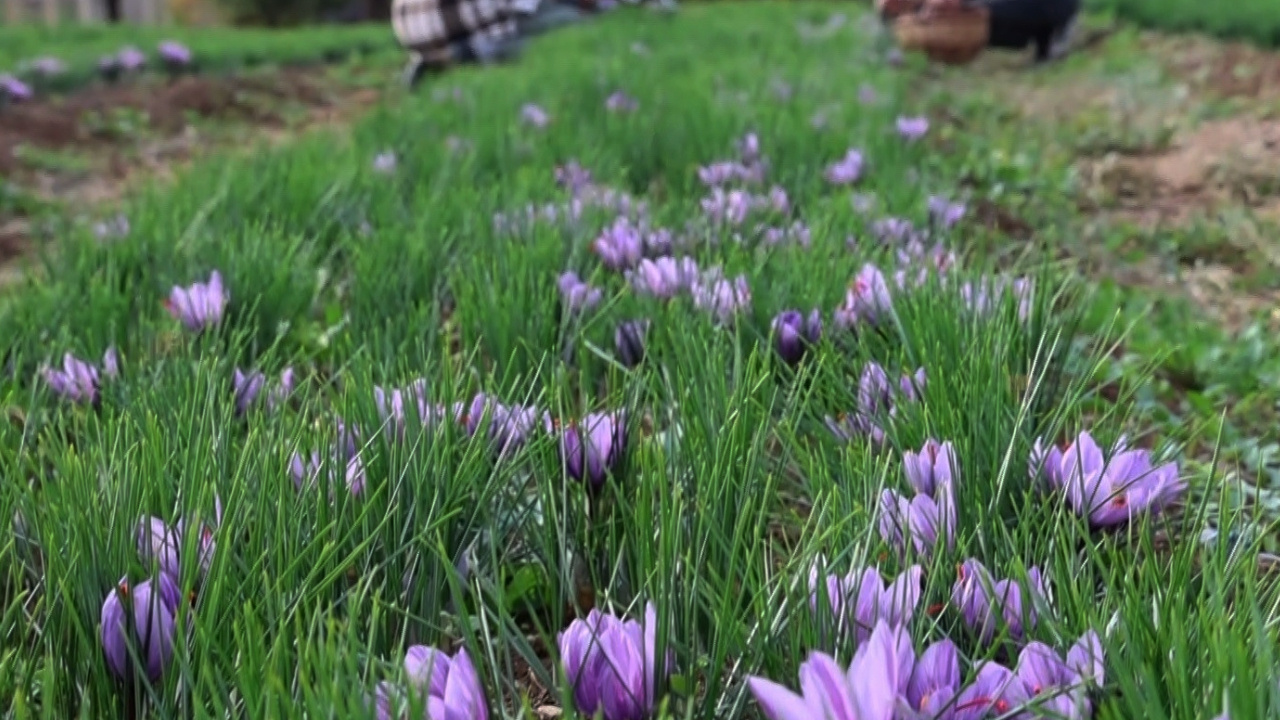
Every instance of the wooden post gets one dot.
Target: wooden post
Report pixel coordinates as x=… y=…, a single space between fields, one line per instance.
x=52 y=14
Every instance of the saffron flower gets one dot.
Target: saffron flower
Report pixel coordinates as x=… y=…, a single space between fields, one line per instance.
x=867 y=690
x=1108 y=491
x=13 y=89
x=847 y=170
x=934 y=465
x=945 y=214
x=307 y=471
x=391 y=405
x=621 y=245
x=451 y=684
x=913 y=128
x=174 y=54
x=199 y=306
x=139 y=621
x=925 y=519
x=794 y=333
x=664 y=277
x=730 y=207
x=47 y=66
x=594 y=447
x=534 y=115
x=1057 y=686
x=511 y=426
x=628 y=341
x=934 y=682
x=576 y=294
x=866 y=301
x=385 y=162
x=248 y=389
x=861 y=599
x=131 y=58
x=720 y=296
x=79 y=381
x=159 y=542
x=985 y=295
x=621 y=102
x=723 y=173
x=878 y=399
x=995 y=691
x=985 y=603
x=573 y=176
x=611 y=664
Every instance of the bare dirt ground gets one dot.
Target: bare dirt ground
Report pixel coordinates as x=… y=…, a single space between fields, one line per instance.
x=1175 y=140
x=84 y=150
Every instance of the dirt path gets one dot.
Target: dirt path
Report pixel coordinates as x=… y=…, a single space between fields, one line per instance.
x=78 y=154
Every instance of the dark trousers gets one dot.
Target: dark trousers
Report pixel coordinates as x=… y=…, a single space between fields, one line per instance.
x=1015 y=24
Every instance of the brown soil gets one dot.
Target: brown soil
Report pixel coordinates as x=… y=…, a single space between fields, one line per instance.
x=1232 y=70
x=61 y=123
x=1235 y=161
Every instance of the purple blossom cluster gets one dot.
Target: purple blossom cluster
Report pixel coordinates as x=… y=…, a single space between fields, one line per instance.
x=1107 y=489
x=886 y=678
x=877 y=403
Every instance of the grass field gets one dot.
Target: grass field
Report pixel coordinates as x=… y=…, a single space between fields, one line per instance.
x=456 y=444
x=1253 y=20
x=79 y=48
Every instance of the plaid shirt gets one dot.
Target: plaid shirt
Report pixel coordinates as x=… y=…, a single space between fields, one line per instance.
x=430 y=27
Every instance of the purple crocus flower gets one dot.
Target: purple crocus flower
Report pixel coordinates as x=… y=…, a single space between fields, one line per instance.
x=867 y=95
x=861 y=598
x=995 y=691
x=621 y=245
x=306 y=471
x=47 y=66
x=248 y=388
x=13 y=89
x=1108 y=491
x=576 y=294
x=913 y=128
x=749 y=148
x=199 y=306
x=111 y=228
x=664 y=277
x=593 y=448
x=621 y=102
x=139 y=621
x=513 y=425
x=934 y=682
x=1053 y=684
x=723 y=173
x=534 y=115
x=158 y=541
x=451 y=684
x=793 y=333
x=79 y=381
x=628 y=341
x=573 y=177
x=867 y=690
x=867 y=299
x=385 y=162
x=131 y=58
x=981 y=297
x=611 y=664
x=847 y=170
x=945 y=214
x=174 y=54
x=731 y=207
x=924 y=519
x=983 y=603
x=392 y=407
x=722 y=297
x=161 y=543
x=933 y=465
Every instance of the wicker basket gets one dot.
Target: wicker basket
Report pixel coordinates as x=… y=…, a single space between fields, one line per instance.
x=952 y=36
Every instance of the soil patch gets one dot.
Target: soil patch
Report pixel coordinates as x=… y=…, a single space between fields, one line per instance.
x=75 y=121
x=1231 y=70
x=1235 y=161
